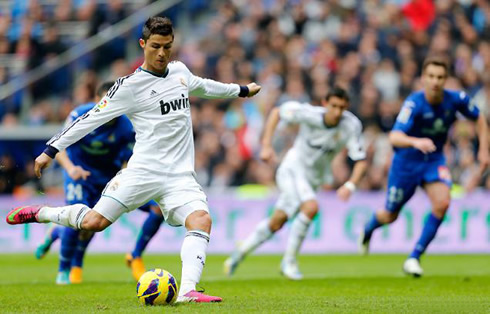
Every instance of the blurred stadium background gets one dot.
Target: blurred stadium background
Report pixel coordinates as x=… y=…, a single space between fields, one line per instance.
x=54 y=53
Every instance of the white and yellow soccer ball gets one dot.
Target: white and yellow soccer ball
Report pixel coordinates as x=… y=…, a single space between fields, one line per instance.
x=157 y=287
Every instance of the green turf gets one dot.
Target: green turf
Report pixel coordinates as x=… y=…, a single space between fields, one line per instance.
x=452 y=284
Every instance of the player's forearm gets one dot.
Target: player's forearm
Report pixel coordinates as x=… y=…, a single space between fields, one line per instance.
x=400 y=139
x=206 y=88
x=482 y=130
x=64 y=160
x=270 y=127
x=360 y=168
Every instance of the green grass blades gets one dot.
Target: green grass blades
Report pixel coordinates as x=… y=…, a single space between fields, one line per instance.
x=334 y=283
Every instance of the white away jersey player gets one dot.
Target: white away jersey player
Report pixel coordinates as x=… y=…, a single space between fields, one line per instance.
x=162 y=164
x=317 y=144
x=159 y=109
x=307 y=164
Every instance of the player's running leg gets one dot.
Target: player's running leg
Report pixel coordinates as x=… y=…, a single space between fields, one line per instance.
x=148 y=230
x=297 y=234
x=193 y=254
x=263 y=232
x=51 y=236
x=77 y=216
x=402 y=184
x=439 y=195
x=69 y=239
x=378 y=219
x=84 y=239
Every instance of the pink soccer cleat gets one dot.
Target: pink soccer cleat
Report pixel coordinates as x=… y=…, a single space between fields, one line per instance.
x=195 y=296
x=23 y=215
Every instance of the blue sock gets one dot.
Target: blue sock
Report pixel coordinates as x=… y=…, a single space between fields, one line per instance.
x=69 y=239
x=56 y=233
x=428 y=234
x=149 y=229
x=371 y=225
x=81 y=247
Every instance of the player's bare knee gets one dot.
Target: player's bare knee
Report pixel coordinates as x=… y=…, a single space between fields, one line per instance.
x=392 y=217
x=386 y=217
x=440 y=207
x=277 y=220
x=310 y=208
x=199 y=220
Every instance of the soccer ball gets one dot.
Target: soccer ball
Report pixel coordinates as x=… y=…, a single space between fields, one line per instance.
x=157 y=287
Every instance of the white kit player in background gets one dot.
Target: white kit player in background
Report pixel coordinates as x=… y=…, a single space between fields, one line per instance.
x=156 y=100
x=323 y=132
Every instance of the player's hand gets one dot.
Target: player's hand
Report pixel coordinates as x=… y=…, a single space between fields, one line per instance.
x=425 y=145
x=253 y=89
x=77 y=172
x=483 y=159
x=42 y=161
x=343 y=193
x=268 y=155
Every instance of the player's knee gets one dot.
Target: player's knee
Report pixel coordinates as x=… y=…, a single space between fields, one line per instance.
x=441 y=206
x=199 y=220
x=386 y=217
x=392 y=217
x=310 y=208
x=277 y=220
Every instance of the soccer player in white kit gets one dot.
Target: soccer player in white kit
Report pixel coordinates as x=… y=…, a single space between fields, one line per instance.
x=323 y=132
x=156 y=100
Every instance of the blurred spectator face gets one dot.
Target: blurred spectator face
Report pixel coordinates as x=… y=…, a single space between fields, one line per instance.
x=433 y=78
x=336 y=107
x=157 y=50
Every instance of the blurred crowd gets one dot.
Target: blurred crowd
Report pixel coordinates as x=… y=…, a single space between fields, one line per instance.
x=295 y=49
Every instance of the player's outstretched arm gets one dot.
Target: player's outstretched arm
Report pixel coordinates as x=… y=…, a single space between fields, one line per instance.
x=75 y=172
x=482 y=130
x=349 y=187
x=400 y=139
x=267 y=152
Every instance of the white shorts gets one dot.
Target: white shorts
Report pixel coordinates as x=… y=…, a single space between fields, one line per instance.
x=177 y=195
x=294 y=190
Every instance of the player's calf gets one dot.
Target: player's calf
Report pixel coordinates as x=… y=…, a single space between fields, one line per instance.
x=93 y=221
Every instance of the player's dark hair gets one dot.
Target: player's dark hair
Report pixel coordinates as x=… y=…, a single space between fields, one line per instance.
x=338 y=92
x=103 y=88
x=157 y=25
x=436 y=60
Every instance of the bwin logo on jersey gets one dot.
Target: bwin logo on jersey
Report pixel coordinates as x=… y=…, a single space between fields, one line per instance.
x=176 y=104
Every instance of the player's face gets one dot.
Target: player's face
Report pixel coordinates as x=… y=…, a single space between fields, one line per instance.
x=336 y=107
x=434 y=78
x=157 y=50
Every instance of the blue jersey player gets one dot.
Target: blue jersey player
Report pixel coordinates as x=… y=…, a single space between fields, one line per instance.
x=418 y=137
x=88 y=166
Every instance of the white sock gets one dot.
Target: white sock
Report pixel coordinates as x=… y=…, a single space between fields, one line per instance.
x=261 y=234
x=69 y=216
x=297 y=235
x=193 y=255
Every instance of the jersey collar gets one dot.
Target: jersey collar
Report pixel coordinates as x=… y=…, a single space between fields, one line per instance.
x=156 y=74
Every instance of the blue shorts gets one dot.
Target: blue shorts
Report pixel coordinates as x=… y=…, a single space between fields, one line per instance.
x=406 y=175
x=82 y=191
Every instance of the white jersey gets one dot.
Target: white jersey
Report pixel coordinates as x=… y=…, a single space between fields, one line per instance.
x=317 y=144
x=159 y=109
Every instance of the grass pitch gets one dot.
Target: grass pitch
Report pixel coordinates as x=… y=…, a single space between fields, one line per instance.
x=452 y=284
